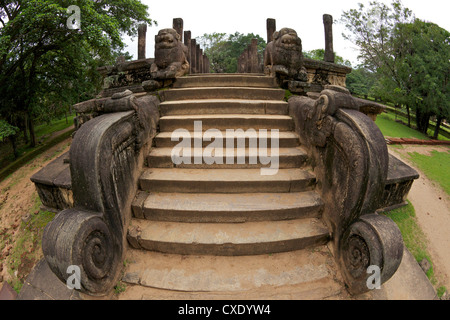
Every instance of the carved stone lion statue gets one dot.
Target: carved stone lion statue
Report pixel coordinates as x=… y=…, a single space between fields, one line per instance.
x=284 y=57
x=170 y=56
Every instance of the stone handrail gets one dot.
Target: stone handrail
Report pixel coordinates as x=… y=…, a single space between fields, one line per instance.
x=350 y=159
x=106 y=158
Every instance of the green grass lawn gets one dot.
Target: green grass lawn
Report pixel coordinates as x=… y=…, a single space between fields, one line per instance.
x=45 y=140
x=386 y=122
x=414 y=239
x=393 y=129
x=436 y=167
x=55 y=126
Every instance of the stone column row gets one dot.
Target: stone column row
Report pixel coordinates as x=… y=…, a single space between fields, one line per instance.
x=198 y=61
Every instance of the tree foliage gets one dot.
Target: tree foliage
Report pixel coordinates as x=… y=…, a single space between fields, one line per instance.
x=224 y=50
x=409 y=57
x=45 y=64
x=362 y=82
x=422 y=61
x=319 y=54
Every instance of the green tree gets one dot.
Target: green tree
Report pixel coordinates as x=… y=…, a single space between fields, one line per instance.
x=409 y=57
x=43 y=62
x=371 y=28
x=224 y=50
x=422 y=61
x=361 y=82
x=319 y=54
x=9 y=131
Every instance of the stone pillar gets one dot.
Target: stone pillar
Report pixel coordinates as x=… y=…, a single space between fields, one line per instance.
x=193 y=56
x=328 y=25
x=197 y=51
x=201 y=61
x=187 y=43
x=253 y=56
x=271 y=28
x=178 y=26
x=142 y=33
x=207 y=65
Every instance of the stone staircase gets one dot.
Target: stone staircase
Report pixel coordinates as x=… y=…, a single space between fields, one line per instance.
x=225 y=231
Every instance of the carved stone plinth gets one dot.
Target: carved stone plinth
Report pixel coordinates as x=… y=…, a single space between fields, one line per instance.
x=106 y=157
x=170 y=56
x=283 y=57
x=350 y=160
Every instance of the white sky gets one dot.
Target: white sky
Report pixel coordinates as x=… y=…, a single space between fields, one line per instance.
x=249 y=16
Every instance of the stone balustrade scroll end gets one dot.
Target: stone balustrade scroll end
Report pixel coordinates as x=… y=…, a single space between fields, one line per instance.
x=350 y=159
x=106 y=158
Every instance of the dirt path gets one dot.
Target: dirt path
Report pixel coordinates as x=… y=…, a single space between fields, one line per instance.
x=432 y=206
x=17 y=198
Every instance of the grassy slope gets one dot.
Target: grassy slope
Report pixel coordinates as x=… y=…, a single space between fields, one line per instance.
x=414 y=239
x=436 y=167
x=390 y=128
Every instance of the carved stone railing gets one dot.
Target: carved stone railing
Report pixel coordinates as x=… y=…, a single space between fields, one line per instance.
x=106 y=158
x=350 y=159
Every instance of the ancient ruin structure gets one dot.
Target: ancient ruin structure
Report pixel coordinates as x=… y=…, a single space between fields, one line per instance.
x=170 y=56
x=250 y=60
x=228 y=230
x=284 y=56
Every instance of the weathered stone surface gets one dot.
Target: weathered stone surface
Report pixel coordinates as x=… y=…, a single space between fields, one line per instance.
x=373 y=240
x=226 y=180
x=250 y=61
x=193 y=61
x=53 y=184
x=222 y=93
x=142 y=33
x=425 y=265
x=398 y=183
x=227 y=208
x=177 y=25
x=42 y=284
x=170 y=56
x=350 y=158
x=271 y=28
x=284 y=57
x=106 y=157
x=151 y=85
x=328 y=26
x=251 y=238
x=325 y=73
x=7 y=292
x=89 y=106
x=226 y=80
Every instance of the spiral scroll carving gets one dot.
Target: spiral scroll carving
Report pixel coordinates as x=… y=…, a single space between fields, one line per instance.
x=86 y=242
x=373 y=240
x=357 y=256
x=94 y=249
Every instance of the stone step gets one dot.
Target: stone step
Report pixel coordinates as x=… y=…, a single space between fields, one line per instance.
x=240 y=158
x=299 y=275
x=227 y=239
x=285 y=139
x=224 y=122
x=222 y=93
x=226 y=74
x=229 y=80
x=175 y=180
x=223 y=106
x=226 y=208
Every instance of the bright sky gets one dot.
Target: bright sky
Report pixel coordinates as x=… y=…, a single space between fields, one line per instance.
x=249 y=16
